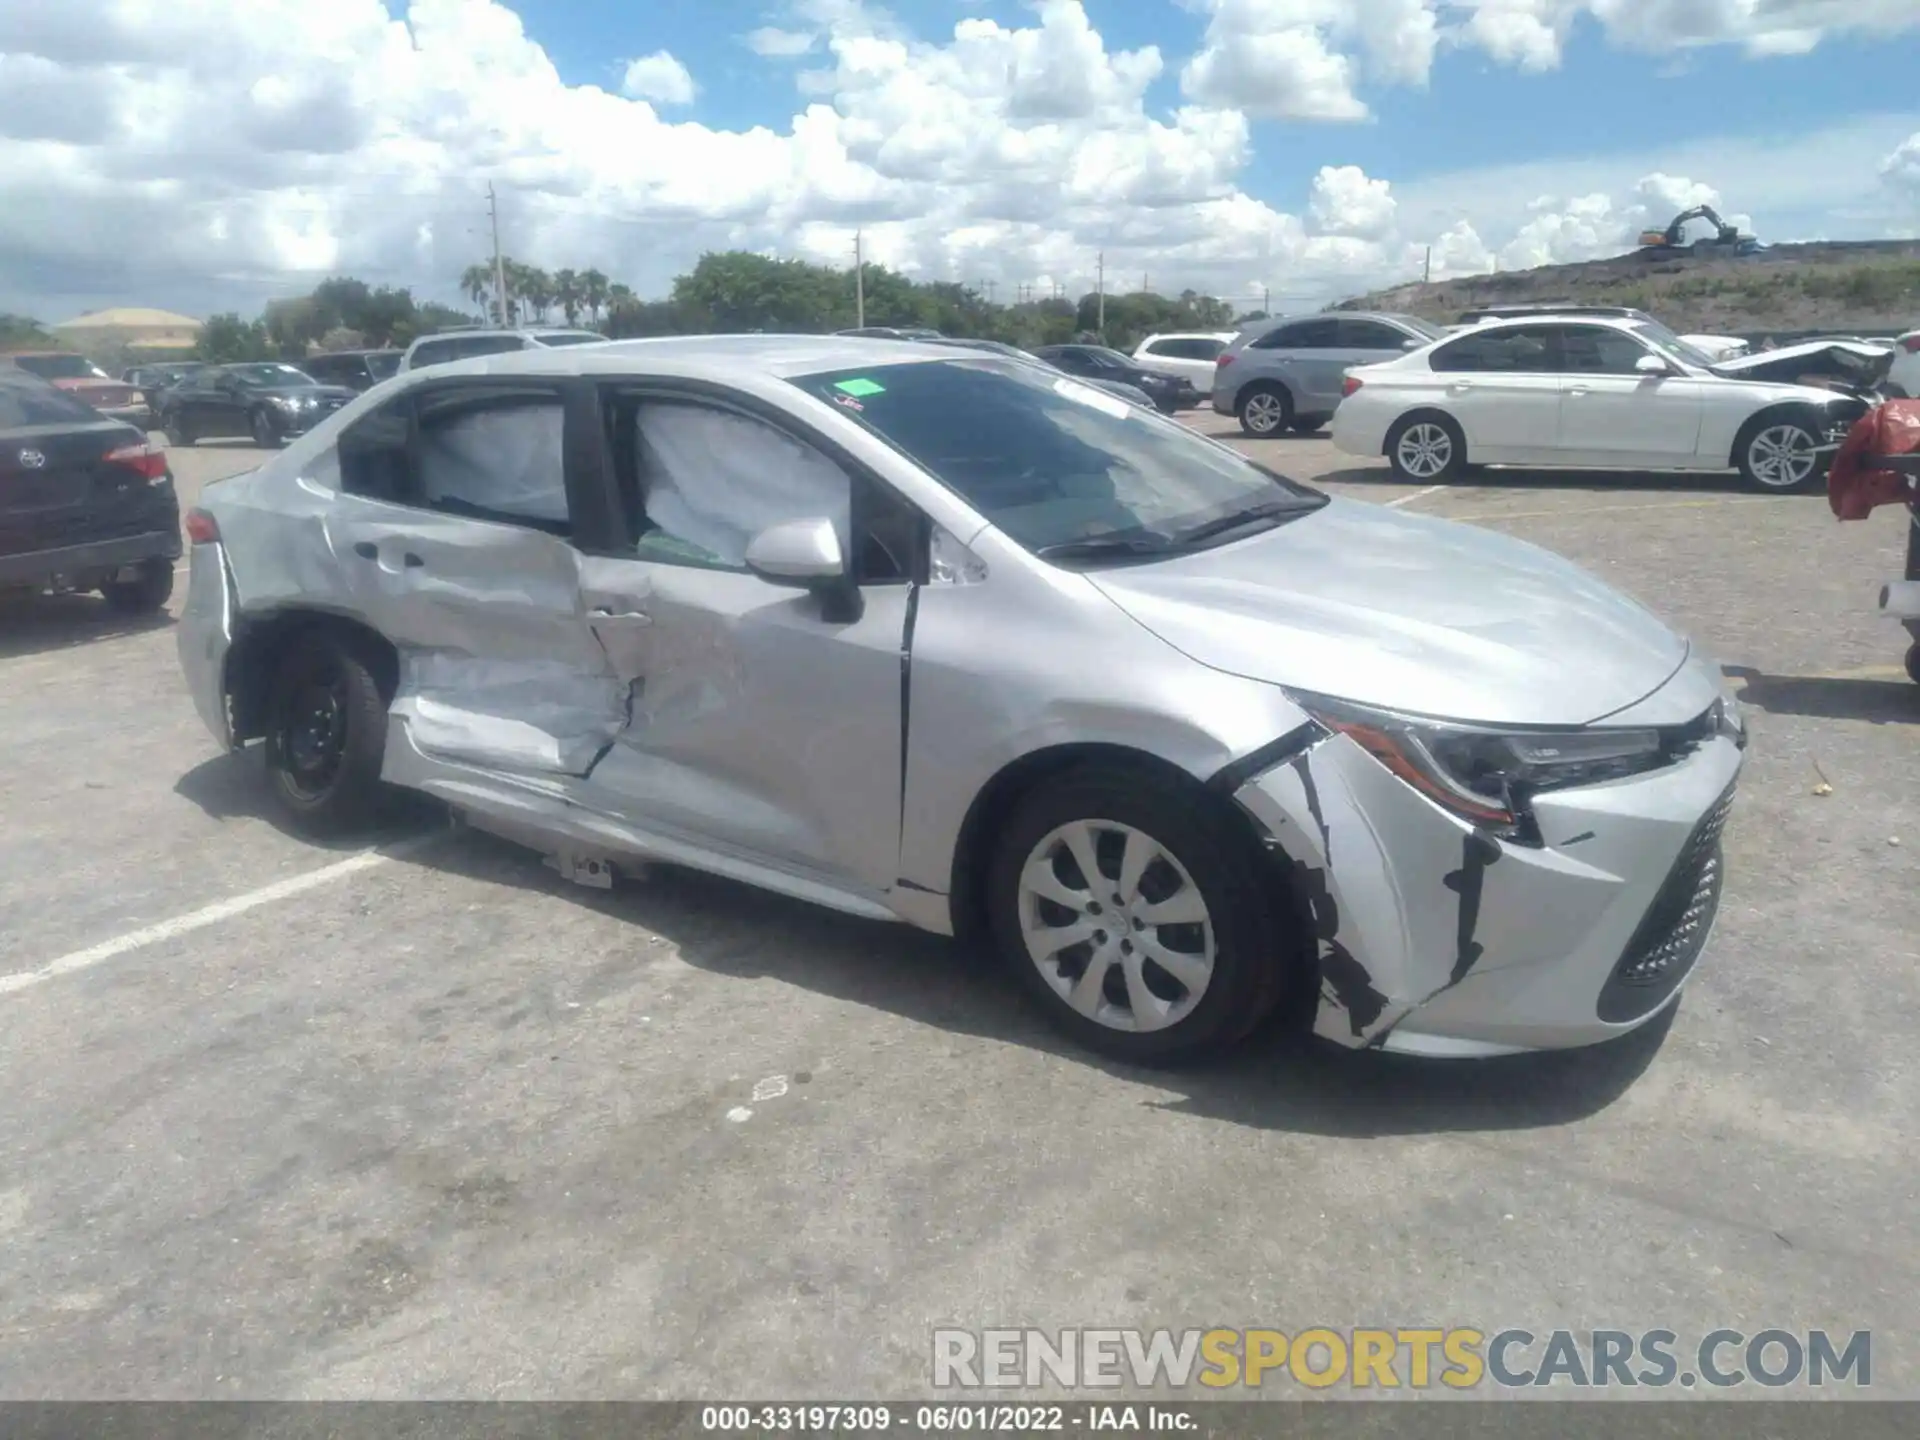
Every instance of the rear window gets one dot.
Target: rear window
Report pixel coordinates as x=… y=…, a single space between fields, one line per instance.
x=60 y=367
x=552 y=340
x=385 y=365
x=28 y=402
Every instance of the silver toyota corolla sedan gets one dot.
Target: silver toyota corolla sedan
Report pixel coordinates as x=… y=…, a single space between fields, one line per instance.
x=944 y=638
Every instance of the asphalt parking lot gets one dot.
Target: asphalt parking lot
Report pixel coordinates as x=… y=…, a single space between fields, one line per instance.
x=429 y=1122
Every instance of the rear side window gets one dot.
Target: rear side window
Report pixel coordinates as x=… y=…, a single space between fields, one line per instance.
x=1307 y=335
x=1524 y=348
x=29 y=402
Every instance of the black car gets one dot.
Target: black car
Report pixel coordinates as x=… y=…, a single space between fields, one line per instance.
x=357 y=370
x=267 y=400
x=154 y=381
x=1097 y=362
x=85 y=502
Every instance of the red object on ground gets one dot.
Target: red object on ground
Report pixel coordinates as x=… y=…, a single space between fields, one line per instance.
x=1854 y=490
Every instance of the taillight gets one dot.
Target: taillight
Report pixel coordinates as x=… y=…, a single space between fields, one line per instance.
x=1221 y=362
x=1911 y=343
x=1349 y=385
x=201 y=529
x=142 y=459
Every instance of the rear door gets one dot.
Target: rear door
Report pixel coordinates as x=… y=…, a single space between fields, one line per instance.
x=454 y=535
x=1503 y=387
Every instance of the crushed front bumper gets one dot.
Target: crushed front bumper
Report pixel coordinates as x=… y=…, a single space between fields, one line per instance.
x=1436 y=939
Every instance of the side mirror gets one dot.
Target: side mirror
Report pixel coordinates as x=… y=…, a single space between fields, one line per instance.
x=806 y=555
x=1652 y=365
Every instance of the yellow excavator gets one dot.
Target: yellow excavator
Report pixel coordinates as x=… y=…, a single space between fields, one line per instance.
x=1671 y=242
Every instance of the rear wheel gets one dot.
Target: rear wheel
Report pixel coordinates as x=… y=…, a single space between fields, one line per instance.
x=1141 y=923
x=176 y=429
x=326 y=735
x=1913 y=662
x=1427 y=449
x=1780 y=452
x=145 y=594
x=1265 y=410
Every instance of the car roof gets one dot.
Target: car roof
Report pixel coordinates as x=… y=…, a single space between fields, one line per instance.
x=719 y=356
x=1510 y=322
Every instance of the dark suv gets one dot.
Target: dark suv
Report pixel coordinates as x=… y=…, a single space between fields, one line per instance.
x=356 y=369
x=85 y=502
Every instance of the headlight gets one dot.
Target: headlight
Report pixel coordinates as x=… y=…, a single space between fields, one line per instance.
x=1486 y=774
x=286 y=402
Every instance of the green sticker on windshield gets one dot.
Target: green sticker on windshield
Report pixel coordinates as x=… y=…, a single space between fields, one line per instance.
x=860 y=389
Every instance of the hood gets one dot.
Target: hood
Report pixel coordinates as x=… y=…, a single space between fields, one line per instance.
x=1403 y=611
x=296 y=392
x=1832 y=364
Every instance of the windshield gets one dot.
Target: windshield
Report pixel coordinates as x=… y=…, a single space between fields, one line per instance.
x=384 y=365
x=1659 y=336
x=60 y=367
x=1050 y=460
x=551 y=340
x=270 y=375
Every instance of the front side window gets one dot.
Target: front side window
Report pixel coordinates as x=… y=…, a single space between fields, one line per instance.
x=1052 y=462
x=269 y=375
x=1664 y=339
x=1370 y=335
x=1599 y=350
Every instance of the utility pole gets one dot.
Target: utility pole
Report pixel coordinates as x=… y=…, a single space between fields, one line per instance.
x=989 y=285
x=499 y=265
x=859 y=284
x=1426 y=272
x=1145 y=288
x=1100 y=290
x=1266 y=300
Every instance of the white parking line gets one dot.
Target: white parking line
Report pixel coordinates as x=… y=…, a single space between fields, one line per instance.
x=209 y=915
x=1396 y=503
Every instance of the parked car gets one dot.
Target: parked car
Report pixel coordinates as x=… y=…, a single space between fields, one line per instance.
x=449 y=345
x=1286 y=374
x=1133 y=394
x=266 y=401
x=85 y=381
x=1714 y=347
x=744 y=604
x=1593 y=393
x=356 y=370
x=1903 y=378
x=1098 y=362
x=85 y=502
x=1187 y=356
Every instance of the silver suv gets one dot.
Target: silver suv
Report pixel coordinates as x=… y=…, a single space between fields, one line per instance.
x=450 y=345
x=1286 y=374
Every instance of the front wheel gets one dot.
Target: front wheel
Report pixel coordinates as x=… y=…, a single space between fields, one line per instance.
x=176 y=430
x=146 y=594
x=1780 y=454
x=1427 y=450
x=1140 y=922
x=326 y=735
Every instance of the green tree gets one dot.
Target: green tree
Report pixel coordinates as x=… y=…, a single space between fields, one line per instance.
x=22 y=332
x=595 y=291
x=476 y=283
x=566 y=292
x=227 y=338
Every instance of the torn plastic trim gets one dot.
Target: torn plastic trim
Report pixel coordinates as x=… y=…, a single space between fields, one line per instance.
x=1232 y=777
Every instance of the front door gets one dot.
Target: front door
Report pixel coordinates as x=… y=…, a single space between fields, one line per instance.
x=763 y=723
x=454 y=537
x=1316 y=371
x=1611 y=414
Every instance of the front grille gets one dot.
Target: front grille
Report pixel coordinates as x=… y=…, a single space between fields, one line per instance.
x=1674 y=931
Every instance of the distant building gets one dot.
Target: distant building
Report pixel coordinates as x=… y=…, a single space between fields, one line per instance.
x=130 y=328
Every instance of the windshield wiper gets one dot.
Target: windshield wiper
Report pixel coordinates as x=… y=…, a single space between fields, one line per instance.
x=1269 y=511
x=1099 y=547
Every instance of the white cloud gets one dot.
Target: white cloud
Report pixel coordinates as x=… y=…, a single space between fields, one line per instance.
x=659 y=77
x=1901 y=168
x=778 y=44
x=254 y=145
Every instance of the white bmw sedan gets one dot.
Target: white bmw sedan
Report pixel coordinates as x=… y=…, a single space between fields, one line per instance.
x=1593 y=393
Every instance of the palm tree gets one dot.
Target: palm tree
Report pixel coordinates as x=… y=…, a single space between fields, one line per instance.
x=595 y=291
x=567 y=290
x=477 y=282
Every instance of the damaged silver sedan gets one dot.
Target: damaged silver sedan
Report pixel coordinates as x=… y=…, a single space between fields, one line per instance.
x=949 y=639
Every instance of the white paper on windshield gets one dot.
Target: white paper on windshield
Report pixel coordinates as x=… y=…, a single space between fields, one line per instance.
x=1093 y=399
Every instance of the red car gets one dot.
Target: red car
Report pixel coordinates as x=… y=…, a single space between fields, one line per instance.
x=84 y=380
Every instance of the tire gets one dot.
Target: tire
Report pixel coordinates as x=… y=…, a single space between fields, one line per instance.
x=1198 y=858
x=1427 y=448
x=146 y=594
x=1778 y=452
x=326 y=734
x=265 y=433
x=1913 y=662
x=1264 y=410
x=178 y=434
x=1305 y=424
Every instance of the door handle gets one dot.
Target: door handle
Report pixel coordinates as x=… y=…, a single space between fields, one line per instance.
x=1459 y=387
x=366 y=550
x=625 y=617
x=1577 y=390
